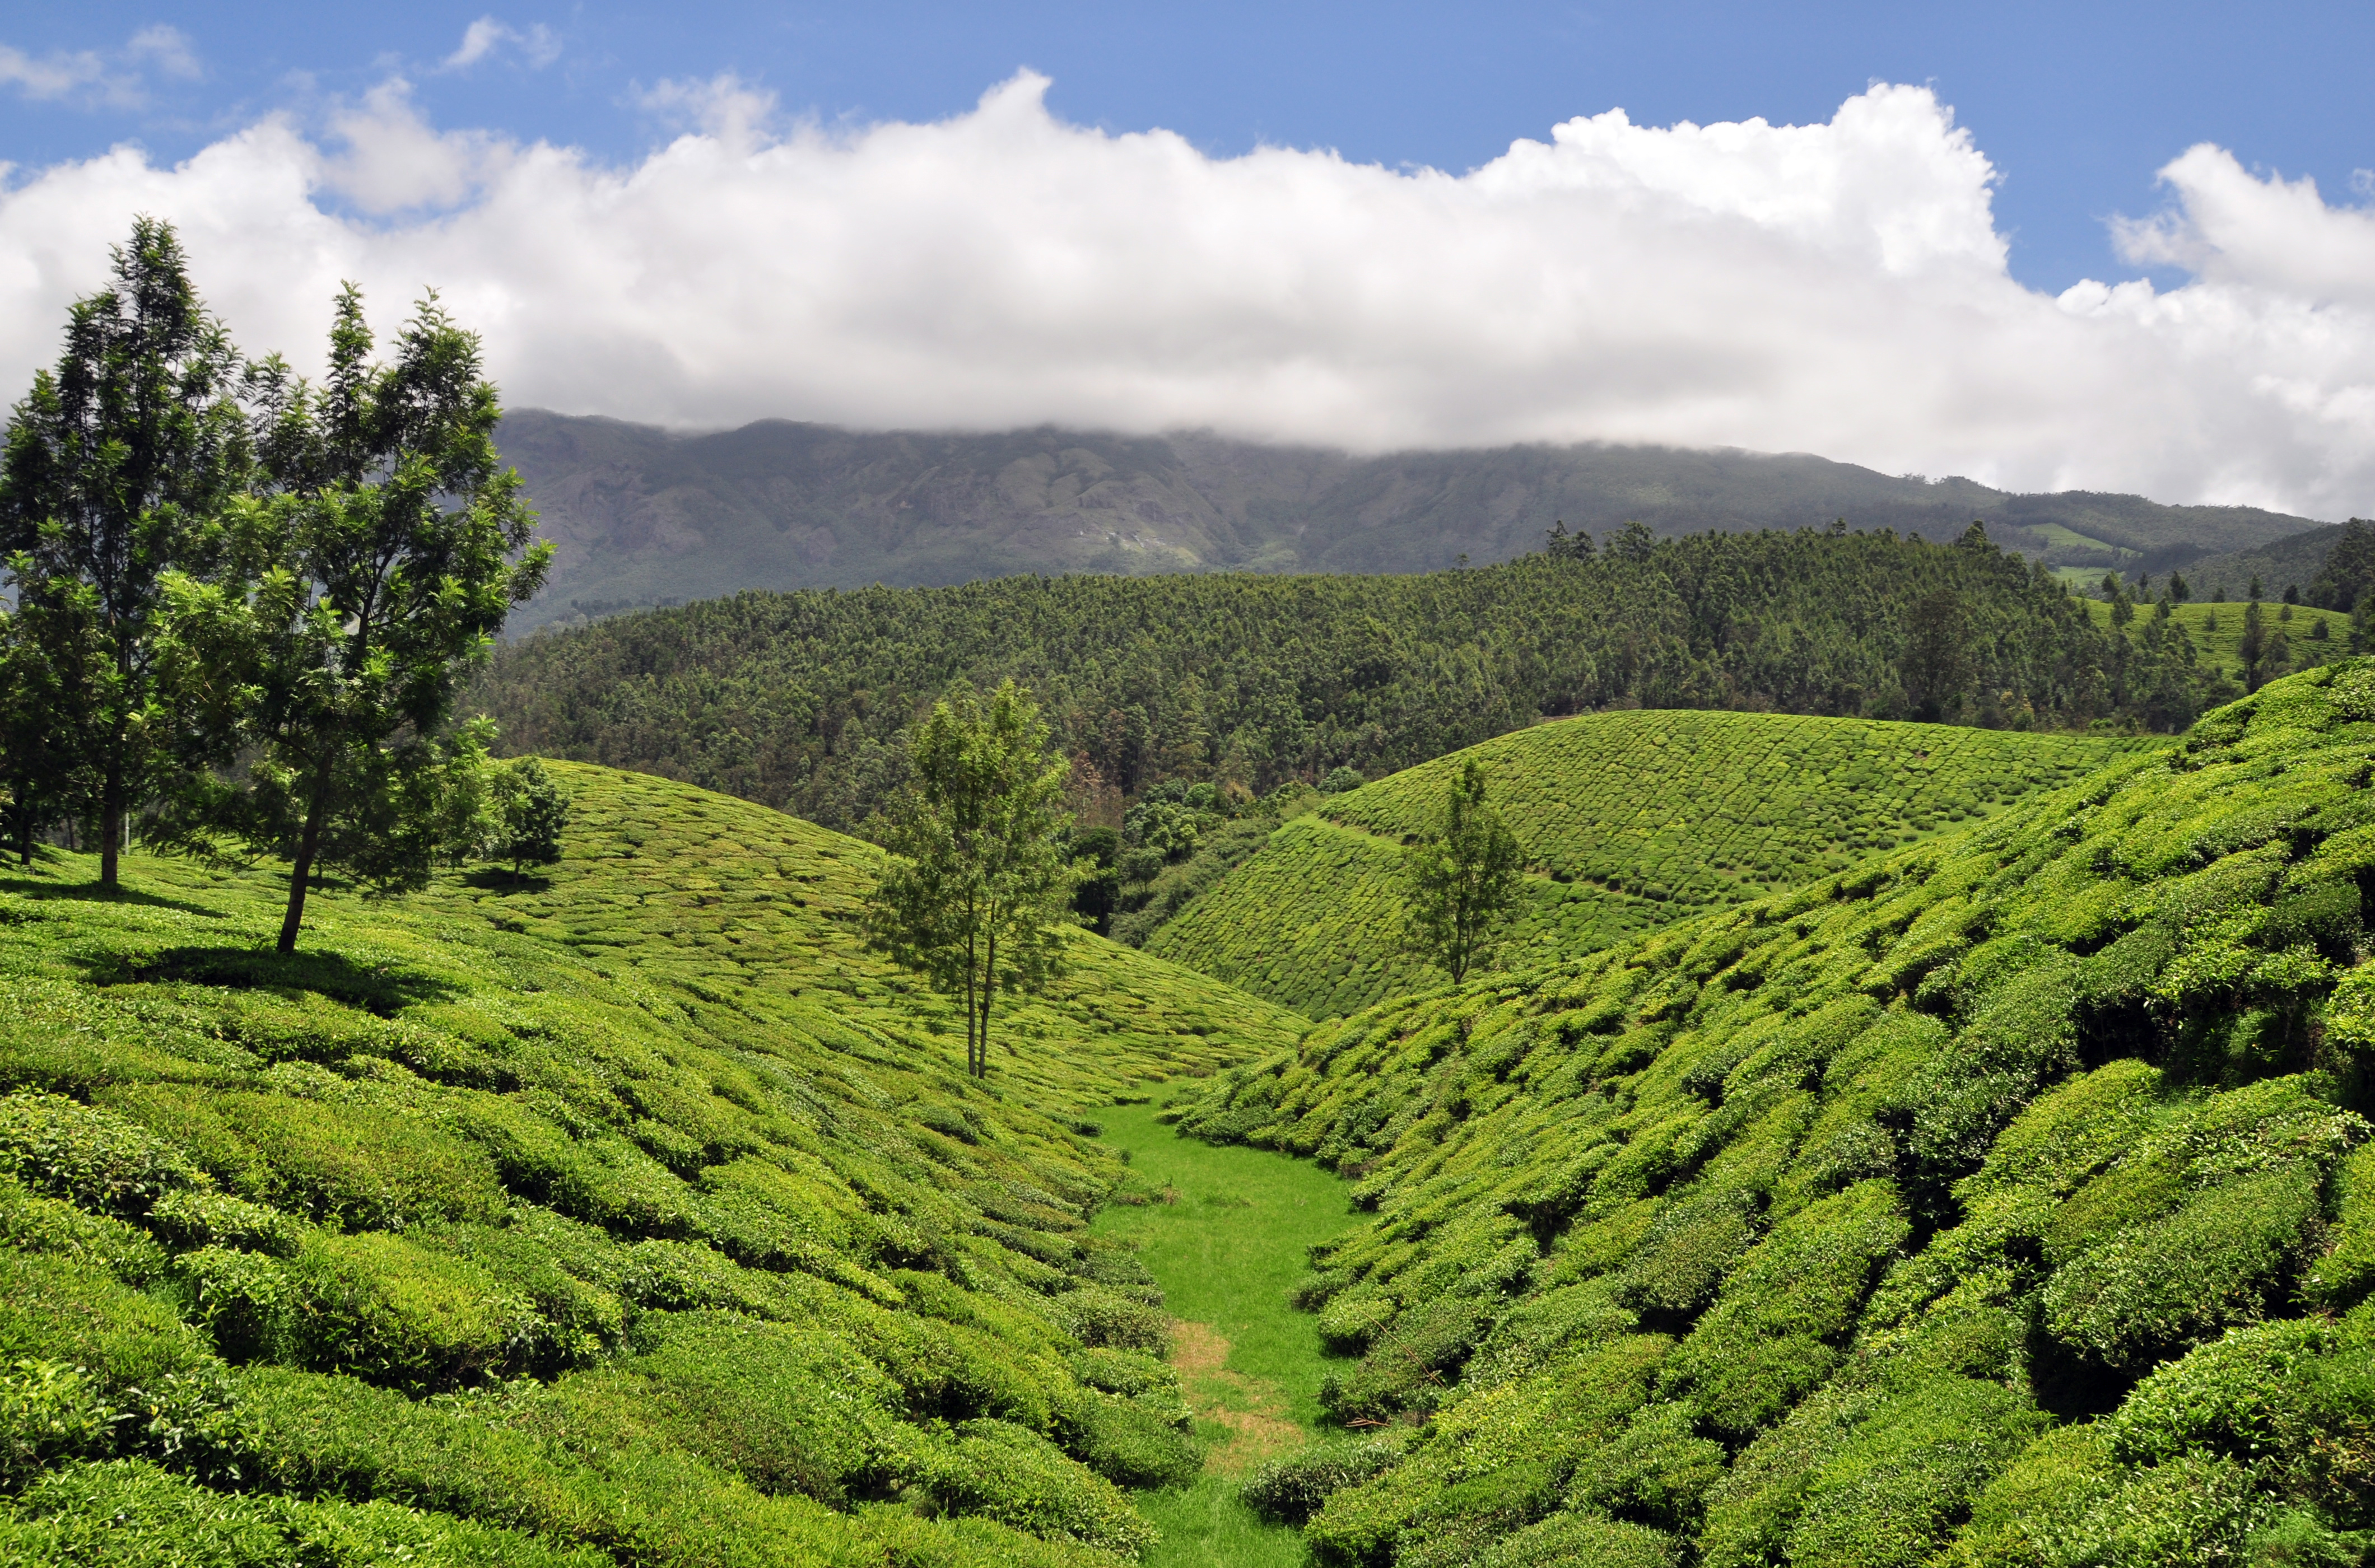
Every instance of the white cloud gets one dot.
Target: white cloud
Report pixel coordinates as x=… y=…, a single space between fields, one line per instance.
x=61 y=75
x=539 y=45
x=168 y=50
x=1837 y=288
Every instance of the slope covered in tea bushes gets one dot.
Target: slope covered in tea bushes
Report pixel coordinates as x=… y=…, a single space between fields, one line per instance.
x=1628 y=821
x=2006 y=1200
x=633 y=1214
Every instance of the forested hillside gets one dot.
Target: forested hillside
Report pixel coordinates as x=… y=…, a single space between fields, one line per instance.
x=643 y=516
x=799 y=700
x=630 y=1214
x=2002 y=1200
x=1627 y=821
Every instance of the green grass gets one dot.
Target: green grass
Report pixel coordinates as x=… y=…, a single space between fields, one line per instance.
x=1999 y=1201
x=1235 y=1234
x=634 y=1207
x=1628 y=821
x=2217 y=630
x=1227 y=1251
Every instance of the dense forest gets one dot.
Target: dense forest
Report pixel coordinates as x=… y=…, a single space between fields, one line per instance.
x=801 y=701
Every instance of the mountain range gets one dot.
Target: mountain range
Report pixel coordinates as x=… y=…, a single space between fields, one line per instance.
x=645 y=516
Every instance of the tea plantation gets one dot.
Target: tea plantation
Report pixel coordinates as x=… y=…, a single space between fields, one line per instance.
x=2006 y=1199
x=1629 y=819
x=2217 y=631
x=630 y=1215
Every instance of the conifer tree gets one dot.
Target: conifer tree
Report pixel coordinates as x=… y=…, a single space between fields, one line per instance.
x=1461 y=879
x=977 y=890
x=117 y=466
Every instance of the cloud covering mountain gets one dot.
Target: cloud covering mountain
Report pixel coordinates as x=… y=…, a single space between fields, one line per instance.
x=1837 y=288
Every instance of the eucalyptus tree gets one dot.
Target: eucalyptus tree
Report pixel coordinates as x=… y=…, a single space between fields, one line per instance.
x=118 y=467
x=372 y=573
x=977 y=889
x=1460 y=879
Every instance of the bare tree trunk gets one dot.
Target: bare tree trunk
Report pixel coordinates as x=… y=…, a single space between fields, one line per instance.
x=309 y=843
x=988 y=991
x=111 y=826
x=973 y=1057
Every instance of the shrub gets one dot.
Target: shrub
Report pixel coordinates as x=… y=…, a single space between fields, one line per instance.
x=188 y=1220
x=1584 y=1537
x=53 y=1226
x=1658 y=1469
x=48 y=1411
x=1889 y=1496
x=786 y=1410
x=1099 y=1318
x=1768 y=1340
x=2226 y=1257
x=2345 y=1274
x=89 y=1158
x=131 y=1515
x=56 y=1309
x=1018 y=1477
x=1128 y=1441
x=1292 y=1490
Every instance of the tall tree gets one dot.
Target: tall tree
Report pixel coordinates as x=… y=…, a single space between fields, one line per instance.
x=1460 y=879
x=117 y=465
x=375 y=575
x=1937 y=664
x=977 y=889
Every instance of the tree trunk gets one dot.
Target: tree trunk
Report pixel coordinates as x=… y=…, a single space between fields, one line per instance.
x=988 y=990
x=309 y=843
x=973 y=1057
x=111 y=827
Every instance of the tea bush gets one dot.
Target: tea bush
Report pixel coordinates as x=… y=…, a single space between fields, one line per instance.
x=2004 y=1197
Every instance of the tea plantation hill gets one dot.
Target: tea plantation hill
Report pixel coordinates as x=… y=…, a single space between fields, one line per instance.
x=2005 y=1201
x=801 y=701
x=630 y=1215
x=1628 y=821
x=2217 y=631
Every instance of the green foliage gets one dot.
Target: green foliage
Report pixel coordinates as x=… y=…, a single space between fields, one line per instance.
x=1293 y=1488
x=530 y=813
x=1460 y=879
x=975 y=871
x=1993 y=1191
x=1627 y=821
x=800 y=700
x=618 y=1207
x=117 y=465
x=357 y=593
x=132 y=1514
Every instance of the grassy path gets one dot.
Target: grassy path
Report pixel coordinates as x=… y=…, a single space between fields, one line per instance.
x=1224 y=1254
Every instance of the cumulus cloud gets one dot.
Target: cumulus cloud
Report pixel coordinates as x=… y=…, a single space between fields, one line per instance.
x=63 y=73
x=1837 y=288
x=539 y=45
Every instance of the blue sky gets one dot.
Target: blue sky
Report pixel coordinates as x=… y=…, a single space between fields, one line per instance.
x=2078 y=105
x=2111 y=247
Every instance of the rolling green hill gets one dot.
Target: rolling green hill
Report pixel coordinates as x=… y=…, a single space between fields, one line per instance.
x=1628 y=821
x=800 y=701
x=633 y=1214
x=643 y=517
x=2005 y=1201
x=2218 y=631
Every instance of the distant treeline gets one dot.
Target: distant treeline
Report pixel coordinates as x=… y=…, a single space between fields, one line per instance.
x=802 y=700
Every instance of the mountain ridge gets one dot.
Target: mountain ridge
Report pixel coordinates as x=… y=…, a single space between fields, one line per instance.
x=644 y=517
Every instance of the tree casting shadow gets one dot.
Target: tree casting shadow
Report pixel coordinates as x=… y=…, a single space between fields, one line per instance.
x=381 y=990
